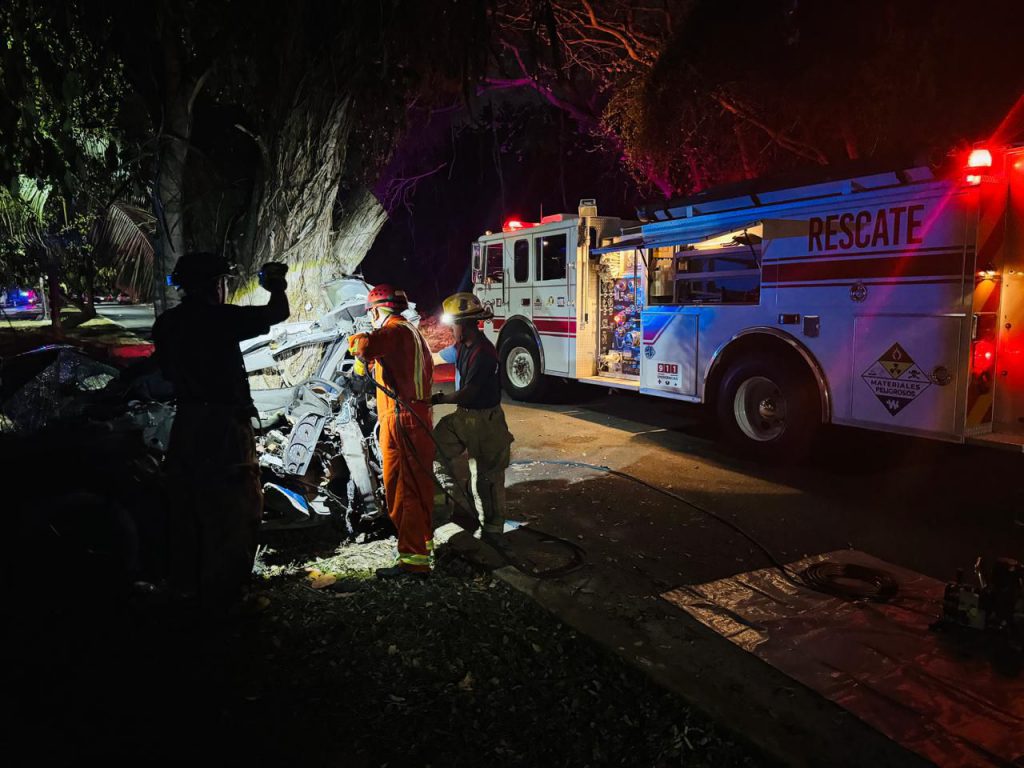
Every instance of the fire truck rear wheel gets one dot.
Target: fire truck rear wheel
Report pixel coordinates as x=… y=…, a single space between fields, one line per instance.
x=768 y=408
x=521 y=373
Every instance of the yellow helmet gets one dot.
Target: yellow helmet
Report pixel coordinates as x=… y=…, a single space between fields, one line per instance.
x=464 y=307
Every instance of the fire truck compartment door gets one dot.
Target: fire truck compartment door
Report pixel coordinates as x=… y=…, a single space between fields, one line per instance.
x=906 y=373
x=669 y=362
x=553 y=312
x=519 y=297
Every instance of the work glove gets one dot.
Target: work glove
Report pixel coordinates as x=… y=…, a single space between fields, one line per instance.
x=359 y=369
x=355 y=343
x=271 y=276
x=436 y=398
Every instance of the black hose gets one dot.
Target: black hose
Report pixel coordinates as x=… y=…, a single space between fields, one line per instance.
x=848 y=581
x=851 y=581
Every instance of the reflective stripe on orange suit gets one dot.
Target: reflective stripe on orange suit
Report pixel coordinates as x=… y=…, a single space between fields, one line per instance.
x=402 y=363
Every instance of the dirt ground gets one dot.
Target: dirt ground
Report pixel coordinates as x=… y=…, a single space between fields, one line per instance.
x=460 y=670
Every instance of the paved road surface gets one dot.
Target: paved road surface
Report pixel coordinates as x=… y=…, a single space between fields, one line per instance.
x=135 y=317
x=927 y=506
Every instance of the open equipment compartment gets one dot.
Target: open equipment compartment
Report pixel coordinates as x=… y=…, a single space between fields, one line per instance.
x=621 y=281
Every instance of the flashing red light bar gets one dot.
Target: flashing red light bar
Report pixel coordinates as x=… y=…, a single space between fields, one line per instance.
x=979 y=158
x=513 y=224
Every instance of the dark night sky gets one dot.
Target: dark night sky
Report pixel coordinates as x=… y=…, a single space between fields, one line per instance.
x=426 y=247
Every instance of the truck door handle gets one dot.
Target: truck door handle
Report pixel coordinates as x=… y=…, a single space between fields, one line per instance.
x=526 y=302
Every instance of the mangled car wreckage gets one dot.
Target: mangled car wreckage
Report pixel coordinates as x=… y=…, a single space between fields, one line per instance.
x=317 y=431
x=318 y=439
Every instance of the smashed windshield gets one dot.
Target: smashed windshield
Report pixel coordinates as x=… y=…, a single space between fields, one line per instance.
x=345 y=290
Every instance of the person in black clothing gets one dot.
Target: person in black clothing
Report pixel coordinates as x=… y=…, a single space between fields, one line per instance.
x=477 y=428
x=211 y=466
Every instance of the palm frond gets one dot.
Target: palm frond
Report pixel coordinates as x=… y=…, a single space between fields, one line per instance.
x=22 y=211
x=34 y=194
x=123 y=236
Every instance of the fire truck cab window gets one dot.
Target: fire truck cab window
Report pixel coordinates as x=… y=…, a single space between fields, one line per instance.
x=550 y=252
x=521 y=261
x=729 y=275
x=495 y=268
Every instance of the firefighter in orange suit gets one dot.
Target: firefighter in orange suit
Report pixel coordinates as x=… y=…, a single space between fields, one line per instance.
x=402 y=365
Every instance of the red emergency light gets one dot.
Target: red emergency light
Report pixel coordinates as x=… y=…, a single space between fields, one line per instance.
x=513 y=224
x=984 y=354
x=979 y=159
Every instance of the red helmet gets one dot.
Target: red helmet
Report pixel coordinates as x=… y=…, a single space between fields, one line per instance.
x=387 y=296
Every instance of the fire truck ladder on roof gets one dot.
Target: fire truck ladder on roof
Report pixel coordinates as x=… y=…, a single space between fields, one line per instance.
x=698 y=235
x=726 y=199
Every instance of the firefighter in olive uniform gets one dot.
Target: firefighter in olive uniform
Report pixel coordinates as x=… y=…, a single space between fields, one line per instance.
x=211 y=467
x=477 y=428
x=402 y=366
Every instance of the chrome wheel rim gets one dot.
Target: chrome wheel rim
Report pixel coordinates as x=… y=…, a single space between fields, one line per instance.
x=519 y=367
x=760 y=409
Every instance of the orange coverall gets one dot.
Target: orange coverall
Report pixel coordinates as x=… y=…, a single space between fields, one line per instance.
x=402 y=364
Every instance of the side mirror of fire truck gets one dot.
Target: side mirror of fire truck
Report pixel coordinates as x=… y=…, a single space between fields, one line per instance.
x=476 y=266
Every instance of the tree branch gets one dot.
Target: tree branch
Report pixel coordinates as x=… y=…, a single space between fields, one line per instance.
x=799 y=148
x=400 y=190
x=594 y=24
x=575 y=112
x=196 y=89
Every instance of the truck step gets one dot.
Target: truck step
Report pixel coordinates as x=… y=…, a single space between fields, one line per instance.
x=612 y=381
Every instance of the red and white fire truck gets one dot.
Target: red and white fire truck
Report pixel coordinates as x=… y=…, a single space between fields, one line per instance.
x=893 y=301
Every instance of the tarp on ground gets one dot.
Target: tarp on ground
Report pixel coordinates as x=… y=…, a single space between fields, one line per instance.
x=946 y=695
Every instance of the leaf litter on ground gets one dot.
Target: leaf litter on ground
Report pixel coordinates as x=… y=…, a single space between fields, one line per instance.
x=464 y=669
x=457 y=670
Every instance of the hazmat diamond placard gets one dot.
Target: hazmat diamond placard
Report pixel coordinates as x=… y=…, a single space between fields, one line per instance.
x=895 y=379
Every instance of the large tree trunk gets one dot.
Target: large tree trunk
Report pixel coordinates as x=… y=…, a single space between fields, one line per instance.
x=296 y=217
x=356 y=228
x=87 y=304
x=179 y=91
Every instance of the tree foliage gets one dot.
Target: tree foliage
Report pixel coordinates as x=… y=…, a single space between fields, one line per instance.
x=696 y=92
x=59 y=96
x=61 y=93
x=247 y=128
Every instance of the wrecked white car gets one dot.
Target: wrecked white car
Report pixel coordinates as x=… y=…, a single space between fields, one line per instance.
x=318 y=430
x=293 y=352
